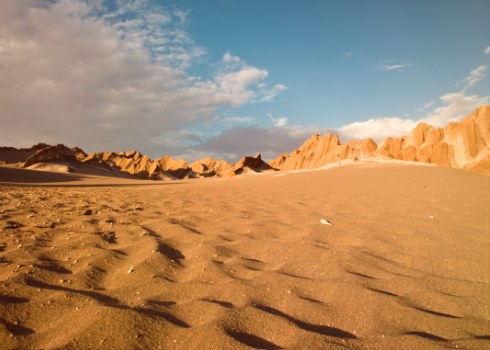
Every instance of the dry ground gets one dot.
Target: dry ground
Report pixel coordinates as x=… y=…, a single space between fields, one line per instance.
x=245 y=262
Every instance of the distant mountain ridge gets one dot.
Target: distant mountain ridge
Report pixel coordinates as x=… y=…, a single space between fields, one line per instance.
x=464 y=145
x=125 y=164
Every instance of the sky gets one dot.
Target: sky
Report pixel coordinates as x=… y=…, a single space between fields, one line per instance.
x=226 y=78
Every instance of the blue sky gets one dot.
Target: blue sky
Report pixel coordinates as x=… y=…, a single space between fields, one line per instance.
x=232 y=77
x=326 y=52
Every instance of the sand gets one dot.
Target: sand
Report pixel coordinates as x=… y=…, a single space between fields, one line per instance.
x=94 y=262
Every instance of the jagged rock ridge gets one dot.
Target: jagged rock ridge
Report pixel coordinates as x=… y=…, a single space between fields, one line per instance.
x=249 y=165
x=464 y=145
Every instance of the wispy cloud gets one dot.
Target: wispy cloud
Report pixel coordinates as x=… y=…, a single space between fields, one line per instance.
x=238 y=119
x=389 y=66
x=351 y=54
x=425 y=107
x=474 y=77
x=487 y=51
x=269 y=94
x=279 y=121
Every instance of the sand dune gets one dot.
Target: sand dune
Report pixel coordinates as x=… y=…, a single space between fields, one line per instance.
x=244 y=262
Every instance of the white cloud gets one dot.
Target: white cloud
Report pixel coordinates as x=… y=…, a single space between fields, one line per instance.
x=75 y=72
x=281 y=122
x=238 y=119
x=377 y=128
x=487 y=51
x=231 y=59
x=235 y=78
x=475 y=76
x=392 y=67
x=425 y=107
x=278 y=122
x=268 y=95
x=351 y=54
x=234 y=86
x=456 y=106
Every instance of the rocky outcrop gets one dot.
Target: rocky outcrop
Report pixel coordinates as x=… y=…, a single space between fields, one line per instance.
x=211 y=167
x=141 y=166
x=464 y=145
x=57 y=153
x=132 y=162
x=14 y=155
x=169 y=167
x=248 y=165
x=318 y=151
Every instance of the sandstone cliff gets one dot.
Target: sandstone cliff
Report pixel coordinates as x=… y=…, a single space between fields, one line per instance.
x=464 y=145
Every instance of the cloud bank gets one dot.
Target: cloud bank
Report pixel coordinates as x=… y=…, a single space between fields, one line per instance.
x=110 y=77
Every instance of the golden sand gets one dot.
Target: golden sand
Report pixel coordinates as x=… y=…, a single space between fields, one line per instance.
x=246 y=262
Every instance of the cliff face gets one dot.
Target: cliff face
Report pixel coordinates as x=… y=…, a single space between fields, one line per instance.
x=318 y=151
x=14 y=155
x=463 y=145
x=57 y=153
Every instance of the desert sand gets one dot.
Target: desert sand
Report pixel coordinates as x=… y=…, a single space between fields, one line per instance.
x=369 y=256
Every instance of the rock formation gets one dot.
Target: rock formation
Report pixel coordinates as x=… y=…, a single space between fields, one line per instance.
x=57 y=153
x=163 y=168
x=14 y=155
x=464 y=145
x=248 y=165
x=211 y=167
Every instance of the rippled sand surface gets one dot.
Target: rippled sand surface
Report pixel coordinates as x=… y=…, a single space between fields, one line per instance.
x=246 y=262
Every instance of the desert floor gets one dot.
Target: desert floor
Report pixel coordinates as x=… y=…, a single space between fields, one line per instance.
x=245 y=262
